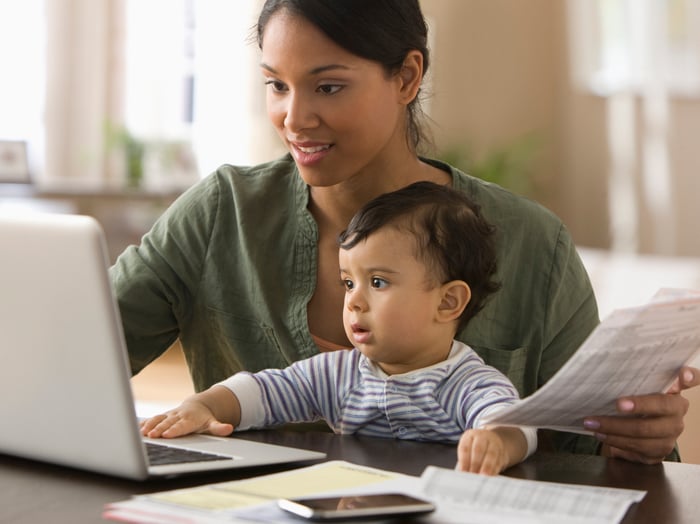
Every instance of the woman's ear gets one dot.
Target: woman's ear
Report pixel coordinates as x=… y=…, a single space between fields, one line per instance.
x=455 y=297
x=411 y=76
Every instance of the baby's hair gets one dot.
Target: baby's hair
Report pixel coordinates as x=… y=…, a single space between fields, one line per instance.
x=452 y=238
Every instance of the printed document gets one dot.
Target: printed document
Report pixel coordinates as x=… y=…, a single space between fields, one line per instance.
x=467 y=498
x=635 y=351
x=460 y=498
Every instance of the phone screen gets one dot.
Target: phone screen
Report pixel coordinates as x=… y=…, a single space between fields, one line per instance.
x=356 y=506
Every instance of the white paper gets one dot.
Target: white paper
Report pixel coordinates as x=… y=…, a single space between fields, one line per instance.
x=255 y=499
x=460 y=498
x=466 y=498
x=635 y=351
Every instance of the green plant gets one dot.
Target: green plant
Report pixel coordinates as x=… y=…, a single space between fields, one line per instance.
x=509 y=166
x=133 y=149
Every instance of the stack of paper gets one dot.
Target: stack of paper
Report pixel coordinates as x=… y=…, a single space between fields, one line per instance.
x=460 y=498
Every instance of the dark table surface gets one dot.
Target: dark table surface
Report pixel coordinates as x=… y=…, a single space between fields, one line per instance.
x=32 y=492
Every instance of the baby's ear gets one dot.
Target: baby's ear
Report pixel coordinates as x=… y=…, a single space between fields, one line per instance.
x=455 y=297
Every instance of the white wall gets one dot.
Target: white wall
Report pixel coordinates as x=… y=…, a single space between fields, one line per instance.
x=501 y=69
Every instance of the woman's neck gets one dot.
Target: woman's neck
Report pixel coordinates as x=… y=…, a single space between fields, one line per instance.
x=334 y=206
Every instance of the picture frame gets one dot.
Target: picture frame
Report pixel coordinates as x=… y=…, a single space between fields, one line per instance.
x=14 y=162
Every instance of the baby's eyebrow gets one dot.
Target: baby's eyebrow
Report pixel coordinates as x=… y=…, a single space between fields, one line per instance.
x=382 y=269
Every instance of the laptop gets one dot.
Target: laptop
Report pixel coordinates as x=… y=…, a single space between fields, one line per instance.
x=65 y=392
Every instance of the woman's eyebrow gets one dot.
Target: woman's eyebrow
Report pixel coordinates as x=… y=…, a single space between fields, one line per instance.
x=314 y=71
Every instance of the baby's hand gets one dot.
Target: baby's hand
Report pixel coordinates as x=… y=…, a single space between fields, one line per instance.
x=191 y=416
x=482 y=451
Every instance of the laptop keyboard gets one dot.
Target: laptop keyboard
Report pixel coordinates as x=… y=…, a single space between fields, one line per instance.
x=159 y=455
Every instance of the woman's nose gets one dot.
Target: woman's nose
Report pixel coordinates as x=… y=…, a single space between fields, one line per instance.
x=299 y=113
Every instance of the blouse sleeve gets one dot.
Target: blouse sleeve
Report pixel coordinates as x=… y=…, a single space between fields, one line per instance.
x=154 y=282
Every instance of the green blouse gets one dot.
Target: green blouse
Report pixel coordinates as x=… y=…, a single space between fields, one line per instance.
x=230 y=267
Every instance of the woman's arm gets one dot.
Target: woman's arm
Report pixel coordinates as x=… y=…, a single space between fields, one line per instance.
x=154 y=282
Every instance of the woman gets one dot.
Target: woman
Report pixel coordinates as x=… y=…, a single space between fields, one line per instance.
x=243 y=268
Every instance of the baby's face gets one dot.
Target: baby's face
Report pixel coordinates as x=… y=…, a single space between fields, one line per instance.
x=390 y=306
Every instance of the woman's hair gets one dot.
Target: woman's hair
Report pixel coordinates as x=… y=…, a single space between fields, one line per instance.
x=452 y=238
x=383 y=31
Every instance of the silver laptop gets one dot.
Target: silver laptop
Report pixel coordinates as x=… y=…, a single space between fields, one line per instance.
x=65 y=392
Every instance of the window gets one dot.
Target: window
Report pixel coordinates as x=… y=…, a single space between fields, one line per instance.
x=178 y=76
x=22 y=42
x=627 y=44
x=159 y=68
x=192 y=78
x=640 y=56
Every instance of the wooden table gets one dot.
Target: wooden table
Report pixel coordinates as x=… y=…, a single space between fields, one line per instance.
x=31 y=492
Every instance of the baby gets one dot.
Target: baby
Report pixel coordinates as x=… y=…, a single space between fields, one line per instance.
x=416 y=264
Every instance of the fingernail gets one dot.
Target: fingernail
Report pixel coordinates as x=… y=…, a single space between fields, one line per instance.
x=687 y=376
x=625 y=405
x=600 y=436
x=591 y=424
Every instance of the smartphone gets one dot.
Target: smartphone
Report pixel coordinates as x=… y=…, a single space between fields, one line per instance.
x=356 y=506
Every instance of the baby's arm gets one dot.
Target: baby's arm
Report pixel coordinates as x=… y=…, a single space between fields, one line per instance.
x=490 y=451
x=215 y=411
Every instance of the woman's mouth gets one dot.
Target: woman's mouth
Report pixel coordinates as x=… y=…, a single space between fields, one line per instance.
x=307 y=154
x=314 y=149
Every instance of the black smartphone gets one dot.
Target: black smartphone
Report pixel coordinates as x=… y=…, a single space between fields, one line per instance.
x=356 y=506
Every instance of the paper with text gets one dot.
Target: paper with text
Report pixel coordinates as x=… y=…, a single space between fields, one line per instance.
x=635 y=351
x=465 y=498
x=460 y=498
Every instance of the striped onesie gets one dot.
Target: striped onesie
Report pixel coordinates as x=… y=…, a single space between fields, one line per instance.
x=353 y=395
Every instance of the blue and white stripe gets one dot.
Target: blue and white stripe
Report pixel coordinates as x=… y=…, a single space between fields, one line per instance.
x=355 y=396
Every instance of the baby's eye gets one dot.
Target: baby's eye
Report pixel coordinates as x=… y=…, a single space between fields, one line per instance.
x=330 y=89
x=348 y=284
x=378 y=282
x=276 y=85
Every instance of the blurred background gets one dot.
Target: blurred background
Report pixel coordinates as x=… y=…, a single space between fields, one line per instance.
x=592 y=107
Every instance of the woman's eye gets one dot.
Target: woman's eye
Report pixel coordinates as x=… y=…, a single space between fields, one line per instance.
x=276 y=86
x=329 y=89
x=379 y=283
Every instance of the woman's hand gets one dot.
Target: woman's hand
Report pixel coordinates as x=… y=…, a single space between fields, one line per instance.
x=652 y=425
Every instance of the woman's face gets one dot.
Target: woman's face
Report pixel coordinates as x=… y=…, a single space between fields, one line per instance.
x=340 y=116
